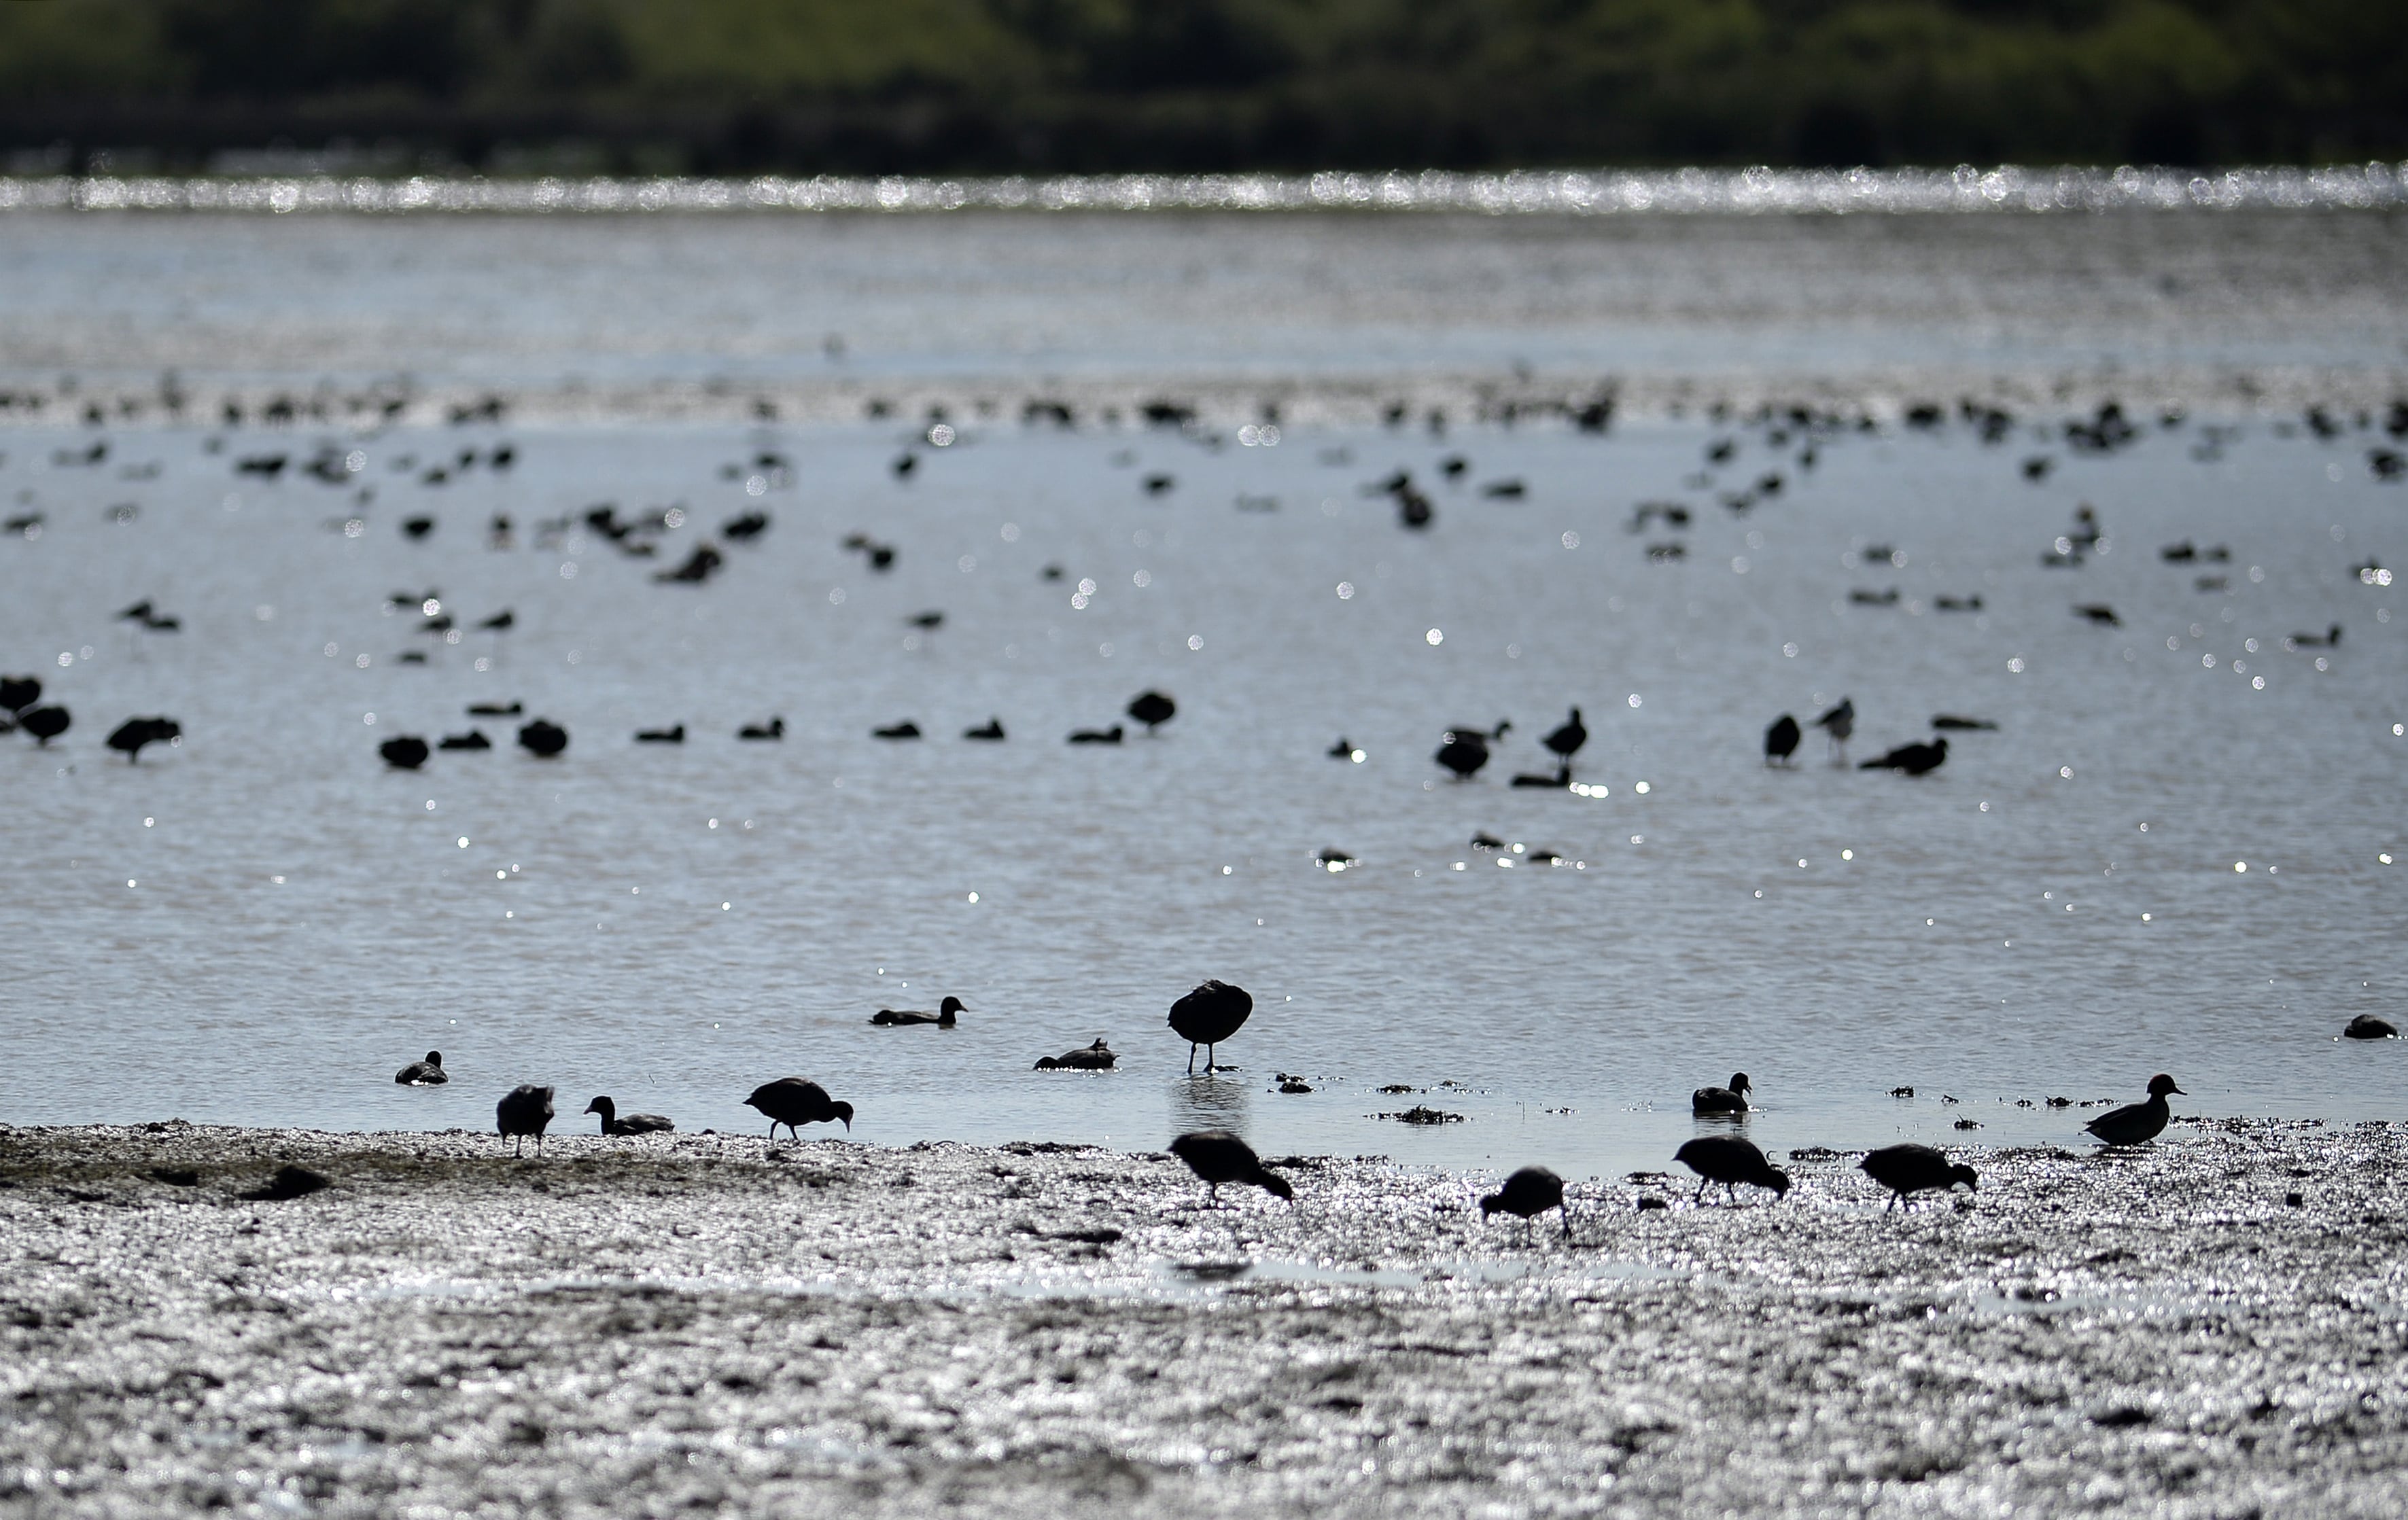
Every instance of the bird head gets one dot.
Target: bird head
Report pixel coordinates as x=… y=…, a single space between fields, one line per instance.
x=1965 y=1175
x=603 y=1106
x=844 y=1111
x=1738 y=1083
x=1779 y=1182
x=2161 y=1084
x=434 y=1058
x=952 y=1005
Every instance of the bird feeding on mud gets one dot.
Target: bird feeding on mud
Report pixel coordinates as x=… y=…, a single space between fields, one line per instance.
x=1908 y=1170
x=2137 y=1122
x=1217 y=1156
x=525 y=1110
x=796 y=1100
x=1529 y=1192
x=1730 y=1161
x=1209 y=1015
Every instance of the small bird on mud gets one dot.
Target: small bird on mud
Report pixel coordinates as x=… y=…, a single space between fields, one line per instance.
x=1907 y=1170
x=1217 y=1156
x=1209 y=1015
x=796 y=1100
x=2137 y=1122
x=426 y=1073
x=1730 y=1161
x=1717 y=1100
x=613 y=1122
x=1781 y=740
x=525 y=1110
x=1528 y=1194
x=1096 y=1058
x=942 y=1018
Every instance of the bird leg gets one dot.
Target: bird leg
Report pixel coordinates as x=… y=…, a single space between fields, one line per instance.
x=1191 y=1057
x=1566 y=1209
x=1699 y=1196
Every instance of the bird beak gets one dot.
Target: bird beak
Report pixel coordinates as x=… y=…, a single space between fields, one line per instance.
x=2179 y=1090
x=848 y=1127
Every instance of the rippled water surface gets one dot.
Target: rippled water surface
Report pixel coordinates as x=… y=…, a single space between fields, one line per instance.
x=260 y=924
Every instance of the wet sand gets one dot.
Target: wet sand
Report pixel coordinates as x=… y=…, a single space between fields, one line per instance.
x=707 y=1323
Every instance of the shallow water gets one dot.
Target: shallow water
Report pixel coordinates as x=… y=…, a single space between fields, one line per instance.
x=261 y=924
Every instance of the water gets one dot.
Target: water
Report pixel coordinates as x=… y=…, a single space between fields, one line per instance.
x=1977 y=933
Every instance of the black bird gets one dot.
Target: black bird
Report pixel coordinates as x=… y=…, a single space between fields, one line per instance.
x=404 y=751
x=2323 y=640
x=495 y=709
x=17 y=693
x=419 y=527
x=634 y=1123
x=2099 y=613
x=440 y=623
x=1781 y=740
x=44 y=724
x=499 y=621
x=1217 y=1156
x=2137 y=1121
x=906 y=729
x=1840 y=723
x=794 y=1101
x=746 y=528
x=139 y=612
x=472 y=739
x=1561 y=778
x=1528 y=1194
x=928 y=620
x=942 y=1018
x=1463 y=752
x=994 y=730
x=1209 y=1015
x=774 y=728
x=1485 y=841
x=525 y=1109
x=1096 y=1058
x=543 y=738
x=1951 y=720
x=1340 y=751
x=1156 y=484
x=426 y=1073
x=1730 y=1161
x=1153 y=709
x=129 y=735
x=1730 y=1100
x=1913 y=759
x=2367 y=1026
x=1957 y=604
x=661 y=736
x=1567 y=738
x=1906 y=1169
x=699 y=566
x=1096 y=736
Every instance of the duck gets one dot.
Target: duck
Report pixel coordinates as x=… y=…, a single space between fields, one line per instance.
x=796 y=1100
x=906 y=729
x=426 y=1073
x=1907 y=1170
x=2367 y=1026
x=1340 y=751
x=2136 y=1122
x=1217 y=1156
x=993 y=731
x=1912 y=759
x=1730 y=1161
x=1096 y=1058
x=774 y=729
x=1096 y=736
x=633 y=1123
x=472 y=739
x=1485 y=841
x=661 y=736
x=1717 y=1100
x=44 y=724
x=1781 y=740
x=1529 y=1192
x=525 y=1110
x=1209 y=1015
x=942 y=1018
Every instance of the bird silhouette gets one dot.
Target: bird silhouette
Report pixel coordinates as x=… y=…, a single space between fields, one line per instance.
x=1717 y=1100
x=1209 y=1015
x=1906 y=1169
x=1217 y=1156
x=525 y=1110
x=992 y=731
x=17 y=693
x=472 y=739
x=2324 y=640
x=44 y=724
x=426 y=1073
x=495 y=709
x=1153 y=708
x=1096 y=1058
x=1730 y=1161
x=774 y=729
x=1567 y=738
x=543 y=738
x=500 y=621
x=1781 y=740
x=1912 y=759
x=2136 y=1122
x=907 y=729
x=404 y=751
x=1096 y=736
x=942 y=1018
x=1951 y=722
x=1463 y=752
x=129 y=736
x=794 y=1101
x=661 y=736
x=2367 y=1026
x=2099 y=613
x=1529 y=1192
x=613 y=1122
x=1340 y=751
x=1840 y=723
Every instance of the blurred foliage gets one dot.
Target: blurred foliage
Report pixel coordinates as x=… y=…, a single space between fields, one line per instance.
x=989 y=85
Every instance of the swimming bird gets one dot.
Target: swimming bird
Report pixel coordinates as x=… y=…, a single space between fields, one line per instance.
x=634 y=1123
x=2099 y=613
x=426 y=1073
x=1332 y=856
x=2307 y=641
x=1096 y=1058
x=1096 y=736
x=1559 y=778
x=495 y=709
x=930 y=621
x=661 y=736
x=1781 y=740
x=1340 y=751
x=500 y=621
x=774 y=729
x=405 y=752
x=906 y=729
x=1463 y=752
x=1950 y=720
x=1840 y=723
x=1485 y=841
x=129 y=735
x=44 y=724
x=2135 y=1123
x=2367 y=1026
x=1906 y=1169
x=543 y=738
x=1730 y=1100
x=1567 y=738
x=472 y=739
x=1217 y=1156
x=1153 y=708
x=525 y=1110
x=1209 y=1015
x=1913 y=759
x=942 y=1018
x=1528 y=1194
x=794 y=1101
x=994 y=730
x=1730 y=1161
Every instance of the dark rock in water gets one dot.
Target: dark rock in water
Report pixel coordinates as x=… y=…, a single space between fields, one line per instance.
x=2367 y=1026
x=406 y=752
x=134 y=733
x=543 y=738
x=1423 y=1114
x=44 y=724
x=288 y=1183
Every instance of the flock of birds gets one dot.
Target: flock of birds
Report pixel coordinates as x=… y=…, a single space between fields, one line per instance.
x=1216 y=1010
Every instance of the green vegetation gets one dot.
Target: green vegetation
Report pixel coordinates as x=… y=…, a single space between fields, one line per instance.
x=727 y=86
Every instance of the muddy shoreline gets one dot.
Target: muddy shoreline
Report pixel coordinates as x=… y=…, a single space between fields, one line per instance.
x=2215 y=1325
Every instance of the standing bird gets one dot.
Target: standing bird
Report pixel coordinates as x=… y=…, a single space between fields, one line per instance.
x=634 y=1123
x=1153 y=708
x=134 y=733
x=44 y=724
x=1781 y=740
x=525 y=1109
x=17 y=693
x=405 y=752
x=942 y=1018
x=543 y=738
x=2135 y=1123
x=1463 y=751
x=1209 y=1015
x=1528 y=1194
x=1840 y=723
x=426 y=1073
x=794 y=1101
x=1567 y=738
x=1730 y=1161
x=1906 y=1169
x=1713 y=1100
x=1217 y=1156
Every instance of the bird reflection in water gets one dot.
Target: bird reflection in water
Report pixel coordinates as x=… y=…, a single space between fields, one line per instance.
x=1208 y=1100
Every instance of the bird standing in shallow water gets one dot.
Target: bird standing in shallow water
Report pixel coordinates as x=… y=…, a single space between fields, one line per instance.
x=1840 y=723
x=1906 y=1169
x=942 y=1018
x=1567 y=739
x=2136 y=1122
x=1781 y=740
x=426 y=1073
x=1730 y=1161
x=525 y=1110
x=1209 y=1015
x=794 y=1101
x=1716 y=1100
x=1217 y=1156
x=1153 y=708
x=1529 y=1192
x=633 y=1123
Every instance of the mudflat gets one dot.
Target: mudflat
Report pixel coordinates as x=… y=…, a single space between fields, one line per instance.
x=2213 y=1325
